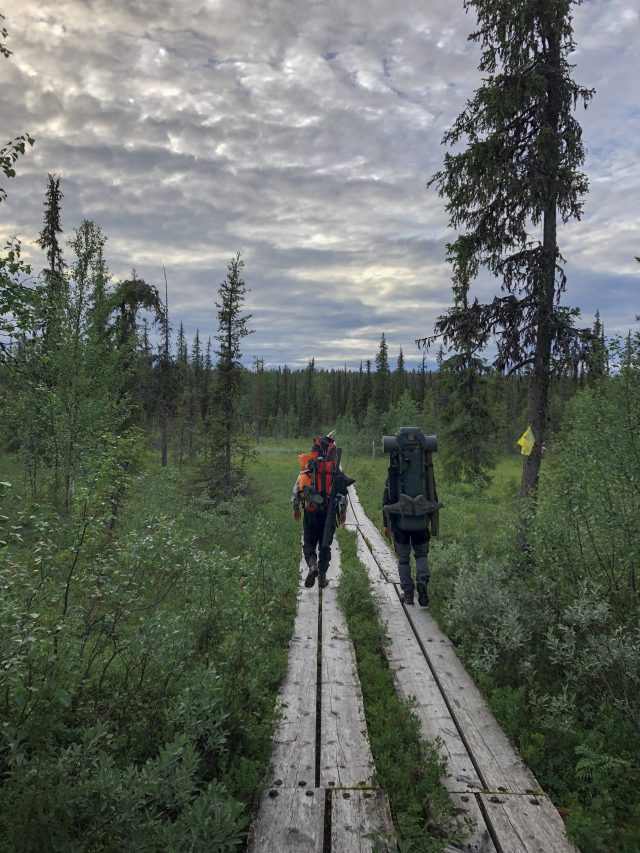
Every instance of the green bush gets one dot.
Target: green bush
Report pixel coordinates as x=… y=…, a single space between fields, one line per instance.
x=557 y=634
x=141 y=660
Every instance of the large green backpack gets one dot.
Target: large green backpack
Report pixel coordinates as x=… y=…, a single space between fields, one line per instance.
x=413 y=499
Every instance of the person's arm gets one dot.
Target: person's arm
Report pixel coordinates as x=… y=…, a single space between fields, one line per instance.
x=385 y=501
x=296 y=499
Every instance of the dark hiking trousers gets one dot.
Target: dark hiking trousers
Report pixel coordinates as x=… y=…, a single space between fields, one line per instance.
x=313 y=531
x=406 y=540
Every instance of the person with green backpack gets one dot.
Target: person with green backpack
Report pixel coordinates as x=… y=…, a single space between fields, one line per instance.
x=410 y=506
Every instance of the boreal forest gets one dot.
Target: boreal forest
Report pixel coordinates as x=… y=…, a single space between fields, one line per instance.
x=149 y=560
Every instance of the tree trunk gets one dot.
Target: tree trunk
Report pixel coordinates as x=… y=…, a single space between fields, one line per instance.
x=164 y=441
x=539 y=388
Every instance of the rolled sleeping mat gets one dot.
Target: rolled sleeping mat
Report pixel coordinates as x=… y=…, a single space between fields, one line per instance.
x=389 y=443
x=430 y=443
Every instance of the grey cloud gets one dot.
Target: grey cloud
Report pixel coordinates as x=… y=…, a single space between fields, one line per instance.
x=302 y=133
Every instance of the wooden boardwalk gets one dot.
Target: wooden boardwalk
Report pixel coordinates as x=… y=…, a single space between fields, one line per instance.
x=320 y=795
x=487 y=779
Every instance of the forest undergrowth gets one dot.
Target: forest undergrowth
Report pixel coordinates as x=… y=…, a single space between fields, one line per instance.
x=552 y=633
x=140 y=659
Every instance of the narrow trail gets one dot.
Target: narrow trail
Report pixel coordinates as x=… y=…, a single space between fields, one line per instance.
x=487 y=778
x=320 y=795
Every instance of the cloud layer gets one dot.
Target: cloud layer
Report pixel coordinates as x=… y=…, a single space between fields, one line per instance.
x=303 y=133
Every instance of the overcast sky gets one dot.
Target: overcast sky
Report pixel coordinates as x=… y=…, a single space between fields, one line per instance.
x=302 y=133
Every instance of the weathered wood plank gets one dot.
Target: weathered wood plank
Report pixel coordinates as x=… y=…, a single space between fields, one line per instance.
x=526 y=824
x=502 y=768
x=294 y=743
x=480 y=840
x=386 y=560
x=413 y=678
x=358 y=820
x=521 y=818
x=290 y=820
x=345 y=755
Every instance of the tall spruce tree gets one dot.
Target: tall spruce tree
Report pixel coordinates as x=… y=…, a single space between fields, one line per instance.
x=399 y=378
x=165 y=377
x=232 y=328
x=308 y=399
x=597 y=362
x=382 y=383
x=505 y=190
x=468 y=419
x=52 y=226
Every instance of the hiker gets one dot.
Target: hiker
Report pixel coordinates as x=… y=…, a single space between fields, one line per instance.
x=321 y=490
x=410 y=506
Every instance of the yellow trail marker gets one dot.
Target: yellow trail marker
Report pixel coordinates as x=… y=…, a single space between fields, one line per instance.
x=526 y=441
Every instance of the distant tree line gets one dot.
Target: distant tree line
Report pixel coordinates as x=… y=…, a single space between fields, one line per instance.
x=84 y=357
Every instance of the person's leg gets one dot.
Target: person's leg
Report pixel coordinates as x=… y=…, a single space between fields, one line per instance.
x=420 y=543
x=309 y=546
x=324 y=557
x=403 y=550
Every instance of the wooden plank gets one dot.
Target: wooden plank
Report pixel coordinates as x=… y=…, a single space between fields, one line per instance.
x=502 y=768
x=290 y=820
x=413 y=678
x=520 y=817
x=480 y=840
x=345 y=755
x=526 y=824
x=361 y=822
x=294 y=743
x=386 y=560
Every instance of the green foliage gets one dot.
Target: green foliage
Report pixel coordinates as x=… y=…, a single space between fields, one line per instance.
x=519 y=170
x=68 y=387
x=141 y=660
x=226 y=430
x=468 y=435
x=12 y=151
x=382 y=377
x=19 y=303
x=554 y=638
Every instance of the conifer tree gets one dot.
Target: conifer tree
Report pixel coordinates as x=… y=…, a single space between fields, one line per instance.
x=55 y=283
x=381 y=388
x=232 y=328
x=468 y=424
x=165 y=370
x=258 y=402
x=519 y=171
x=307 y=399
x=52 y=226
x=399 y=378
x=597 y=366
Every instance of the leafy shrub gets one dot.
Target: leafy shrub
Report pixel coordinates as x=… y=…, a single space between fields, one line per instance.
x=555 y=638
x=141 y=660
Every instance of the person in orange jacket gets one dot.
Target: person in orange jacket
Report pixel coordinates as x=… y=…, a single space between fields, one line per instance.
x=310 y=500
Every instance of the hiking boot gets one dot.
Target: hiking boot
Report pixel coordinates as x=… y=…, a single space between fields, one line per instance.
x=406 y=598
x=322 y=579
x=311 y=577
x=423 y=595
